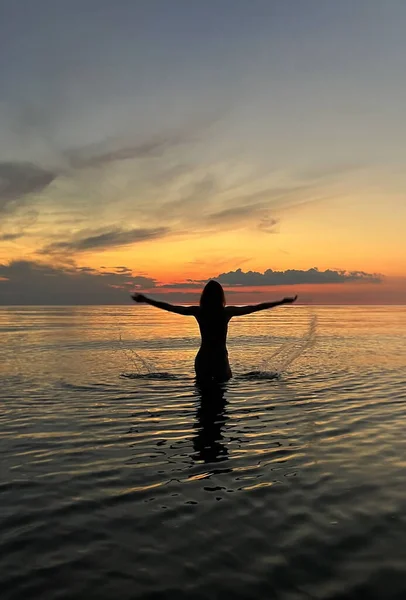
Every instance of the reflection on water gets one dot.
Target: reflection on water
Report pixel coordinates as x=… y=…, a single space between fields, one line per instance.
x=147 y=486
x=210 y=420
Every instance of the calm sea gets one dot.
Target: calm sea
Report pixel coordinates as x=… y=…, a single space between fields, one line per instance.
x=121 y=480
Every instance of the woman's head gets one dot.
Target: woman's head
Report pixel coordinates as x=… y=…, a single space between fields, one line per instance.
x=212 y=295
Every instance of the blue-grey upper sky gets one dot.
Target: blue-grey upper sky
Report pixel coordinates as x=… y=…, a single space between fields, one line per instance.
x=305 y=73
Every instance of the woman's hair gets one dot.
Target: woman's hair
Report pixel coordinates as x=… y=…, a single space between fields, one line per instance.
x=212 y=296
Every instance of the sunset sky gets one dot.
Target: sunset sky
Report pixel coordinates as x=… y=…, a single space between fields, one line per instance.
x=154 y=144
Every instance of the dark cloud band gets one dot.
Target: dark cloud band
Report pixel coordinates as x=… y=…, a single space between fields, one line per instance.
x=106 y=239
x=29 y=282
x=295 y=277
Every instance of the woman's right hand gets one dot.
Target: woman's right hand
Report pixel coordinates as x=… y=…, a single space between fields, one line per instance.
x=289 y=300
x=138 y=297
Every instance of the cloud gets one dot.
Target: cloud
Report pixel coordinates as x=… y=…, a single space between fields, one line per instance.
x=232 y=214
x=9 y=237
x=243 y=214
x=114 y=150
x=239 y=278
x=167 y=192
x=29 y=282
x=209 y=203
x=330 y=171
x=184 y=285
x=195 y=196
x=142 y=282
x=99 y=155
x=295 y=277
x=106 y=239
x=14 y=226
x=268 y=224
x=245 y=206
x=19 y=179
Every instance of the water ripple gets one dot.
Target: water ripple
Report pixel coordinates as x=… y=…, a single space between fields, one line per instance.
x=145 y=486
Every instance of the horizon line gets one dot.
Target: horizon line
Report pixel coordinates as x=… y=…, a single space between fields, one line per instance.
x=197 y=304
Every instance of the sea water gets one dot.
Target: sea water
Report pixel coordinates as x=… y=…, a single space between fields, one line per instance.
x=120 y=478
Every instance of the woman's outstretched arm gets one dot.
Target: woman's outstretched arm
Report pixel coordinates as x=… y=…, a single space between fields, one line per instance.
x=239 y=311
x=180 y=310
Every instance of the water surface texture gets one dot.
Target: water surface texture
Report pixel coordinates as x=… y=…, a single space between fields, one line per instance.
x=120 y=479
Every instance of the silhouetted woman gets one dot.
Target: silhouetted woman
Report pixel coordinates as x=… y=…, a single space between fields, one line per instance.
x=213 y=316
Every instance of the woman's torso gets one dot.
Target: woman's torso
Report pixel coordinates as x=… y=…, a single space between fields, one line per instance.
x=213 y=327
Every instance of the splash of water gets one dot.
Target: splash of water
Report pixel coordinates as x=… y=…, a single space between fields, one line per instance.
x=139 y=363
x=291 y=351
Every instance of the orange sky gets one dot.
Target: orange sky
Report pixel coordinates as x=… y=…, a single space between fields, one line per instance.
x=345 y=232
